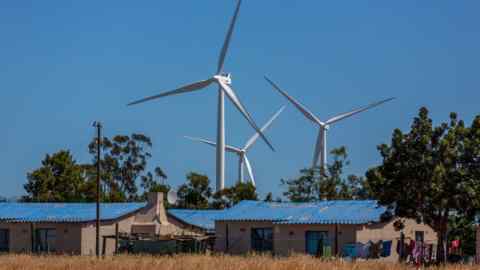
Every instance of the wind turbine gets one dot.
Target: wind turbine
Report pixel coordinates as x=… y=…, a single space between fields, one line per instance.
x=224 y=81
x=321 y=145
x=242 y=152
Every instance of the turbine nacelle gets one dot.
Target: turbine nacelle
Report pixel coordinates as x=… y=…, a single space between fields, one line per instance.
x=225 y=78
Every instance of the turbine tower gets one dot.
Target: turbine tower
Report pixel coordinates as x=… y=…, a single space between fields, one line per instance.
x=242 y=152
x=223 y=80
x=320 y=153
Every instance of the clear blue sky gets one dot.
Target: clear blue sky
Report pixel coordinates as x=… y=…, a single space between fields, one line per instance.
x=64 y=64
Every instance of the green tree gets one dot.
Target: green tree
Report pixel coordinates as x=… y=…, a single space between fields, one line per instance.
x=155 y=182
x=195 y=194
x=463 y=229
x=430 y=173
x=228 y=197
x=59 y=179
x=313 y=184
x=124 y=164
x=269 y=197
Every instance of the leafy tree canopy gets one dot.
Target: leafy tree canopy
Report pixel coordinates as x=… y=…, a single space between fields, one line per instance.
x=124 y=174
x=431 y=172
x=194 y=194
x=313 y=184
x=124 y=167
x=59 y=179
x=230 y=196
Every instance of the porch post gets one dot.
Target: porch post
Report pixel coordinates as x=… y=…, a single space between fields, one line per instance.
x=116 y=238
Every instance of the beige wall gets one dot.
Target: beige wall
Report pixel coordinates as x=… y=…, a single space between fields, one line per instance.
x=88 y=235
x=71 y=238
x=292 y=238
x=238 y=235
x=67 y=236
x=289 y=239
x=20 y=237
x=386 y=231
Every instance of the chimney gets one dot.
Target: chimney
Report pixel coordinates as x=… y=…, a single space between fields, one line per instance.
x=155 y=199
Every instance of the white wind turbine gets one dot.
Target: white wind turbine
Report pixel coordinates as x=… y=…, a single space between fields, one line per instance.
x=242 y=152
x=321 y=145
x=223 y=80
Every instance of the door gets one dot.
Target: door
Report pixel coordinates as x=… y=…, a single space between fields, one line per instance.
x=419 y=236
x=262 y=239
x=4 y=240
x=315 y=242
x=45 y=240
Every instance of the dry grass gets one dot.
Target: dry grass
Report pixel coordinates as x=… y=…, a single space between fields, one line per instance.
x=193 y=262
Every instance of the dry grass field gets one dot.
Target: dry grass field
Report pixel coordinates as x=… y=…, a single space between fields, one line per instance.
x=193 y=262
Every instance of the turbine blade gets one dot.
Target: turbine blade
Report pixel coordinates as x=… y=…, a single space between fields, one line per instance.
x=356 y=111
x=227 y=147
x=184 y=89
x=254 y=138
x=297 y=104
x=202 y=141
x=236 y=101
x=226 y=43
x=249 y=169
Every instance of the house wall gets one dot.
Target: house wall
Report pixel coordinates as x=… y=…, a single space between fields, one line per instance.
x=88 y=235
x=71 y=238
x=386 y=231
x=287 y=238
x=20 y=238
x=67 y=236
x=238 y=235
x=291 y=238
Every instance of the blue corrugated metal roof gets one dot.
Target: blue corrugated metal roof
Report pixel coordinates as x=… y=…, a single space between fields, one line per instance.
x=324 y=212
x=64 y=212
x=204 y=219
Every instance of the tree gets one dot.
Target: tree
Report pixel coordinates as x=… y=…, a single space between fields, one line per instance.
x=124 y=164
x=430 y=173
x=155 y=183
x=195 y=194
x=463 y=229
x=228 y=197
x=59 y=179
x=269 y=197
x=313 y=184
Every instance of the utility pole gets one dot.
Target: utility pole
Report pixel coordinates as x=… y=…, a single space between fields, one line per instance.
x=98 y=126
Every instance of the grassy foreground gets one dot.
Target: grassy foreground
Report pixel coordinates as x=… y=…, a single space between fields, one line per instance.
x=194 y=262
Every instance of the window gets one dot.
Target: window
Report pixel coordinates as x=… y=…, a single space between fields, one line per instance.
x=262 y=239
x=419 y=236
x=45 y=240
x=4 y=240
x=316 y=241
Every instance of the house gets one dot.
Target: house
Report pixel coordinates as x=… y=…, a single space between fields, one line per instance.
x=69 y=228
x=320 y=228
